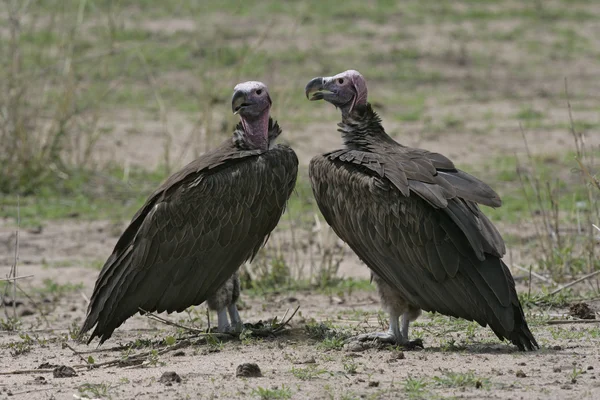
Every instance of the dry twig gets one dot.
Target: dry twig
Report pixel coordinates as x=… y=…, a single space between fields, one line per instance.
x=568 y=285
x=572 y=321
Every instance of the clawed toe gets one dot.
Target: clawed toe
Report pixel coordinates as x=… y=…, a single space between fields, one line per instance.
x=414 y=345
x=389 y=338
x=382 y=337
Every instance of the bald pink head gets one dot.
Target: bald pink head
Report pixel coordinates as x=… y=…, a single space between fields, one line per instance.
x=252 y=102
x=345 y=90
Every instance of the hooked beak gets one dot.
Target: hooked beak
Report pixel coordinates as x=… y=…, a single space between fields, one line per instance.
x=239 y=101
x=315 y=88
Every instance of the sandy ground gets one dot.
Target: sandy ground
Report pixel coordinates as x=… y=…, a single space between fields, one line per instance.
x=459 y=360
x=455 y=357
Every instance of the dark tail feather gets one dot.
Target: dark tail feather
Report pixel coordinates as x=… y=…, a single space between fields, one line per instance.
x=104 y=300
x=521 y=336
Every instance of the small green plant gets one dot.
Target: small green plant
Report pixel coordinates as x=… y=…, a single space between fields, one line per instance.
x=95 y=390
x=10 y=324
x=575 y=374
x=458 y=379
x=74 y=332
x=308 y=373
x=331 y=339
x=272 y=394
x=415 y=388
x=21 y=347
x=350 y=367
x=154 y=358
x=450 y=345
x=333 y=343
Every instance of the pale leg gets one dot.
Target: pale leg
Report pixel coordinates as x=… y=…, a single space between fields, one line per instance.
x=236 y=321
x=222 y=320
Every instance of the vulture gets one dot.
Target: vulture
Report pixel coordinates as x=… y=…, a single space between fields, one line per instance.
x=186 y=243
x=414 y=219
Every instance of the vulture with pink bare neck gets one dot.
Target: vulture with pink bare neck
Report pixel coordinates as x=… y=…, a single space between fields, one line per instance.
x=414 y=219
x=186 y=243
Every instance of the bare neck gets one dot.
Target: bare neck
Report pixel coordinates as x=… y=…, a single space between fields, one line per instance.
x=256 y=130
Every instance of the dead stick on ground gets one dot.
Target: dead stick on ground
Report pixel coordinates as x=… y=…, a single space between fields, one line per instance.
x=596 y=227
x=77 y=353
x=534 y=274
x=572 y=321
x=167 y=322
x=27 y=371
x=15 y=278
x=568 y=285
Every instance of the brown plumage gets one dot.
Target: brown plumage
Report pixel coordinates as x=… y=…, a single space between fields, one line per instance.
x=414 y=219
x=192 y=234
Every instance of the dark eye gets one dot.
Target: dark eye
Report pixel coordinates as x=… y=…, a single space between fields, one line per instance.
x=259 y=92
x=341 y=81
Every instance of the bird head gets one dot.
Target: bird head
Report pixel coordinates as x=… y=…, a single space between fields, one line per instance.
x=345 y=90
x=250 y=99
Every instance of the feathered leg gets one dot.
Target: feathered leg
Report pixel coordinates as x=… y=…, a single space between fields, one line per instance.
x=223 y=301
x=396 y=306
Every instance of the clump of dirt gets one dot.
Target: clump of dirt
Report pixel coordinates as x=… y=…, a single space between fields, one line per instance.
x=248 y=370
x=64 y=372
x=169 y=377
x=582 y=310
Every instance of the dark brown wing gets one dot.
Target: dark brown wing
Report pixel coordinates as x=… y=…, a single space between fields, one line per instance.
x=436 y=248
x=193 y=234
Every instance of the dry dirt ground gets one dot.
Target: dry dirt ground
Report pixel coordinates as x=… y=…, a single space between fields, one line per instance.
x=460 y=360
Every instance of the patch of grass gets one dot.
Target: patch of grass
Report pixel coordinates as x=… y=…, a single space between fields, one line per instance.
x=415 y=388
x=329 y=338
x=559 y=333
x=272 y=394
x=468 y=379
x=10 y=324
x=350 y=367
x=529 y=113
x=57 y=289
x=85 y=196
x=308 y=373
x=21 y=347
x=96 y=390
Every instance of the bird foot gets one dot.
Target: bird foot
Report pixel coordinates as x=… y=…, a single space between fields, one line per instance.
x=390 y=338
x=231 y=328
x=413 y=344
x=383 y=337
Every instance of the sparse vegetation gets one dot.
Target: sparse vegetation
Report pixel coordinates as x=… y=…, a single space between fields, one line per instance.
x=272 y=394
x=101 y=100
x=308 y=373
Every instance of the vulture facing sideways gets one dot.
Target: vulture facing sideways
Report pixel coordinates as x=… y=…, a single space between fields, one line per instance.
x=186 y=243
x=414 y=219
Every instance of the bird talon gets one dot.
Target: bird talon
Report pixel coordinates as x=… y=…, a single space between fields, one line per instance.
x=382 y=337
x=414 y=344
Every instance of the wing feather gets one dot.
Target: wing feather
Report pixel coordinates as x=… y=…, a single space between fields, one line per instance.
x=192 y=235
x=438 y=257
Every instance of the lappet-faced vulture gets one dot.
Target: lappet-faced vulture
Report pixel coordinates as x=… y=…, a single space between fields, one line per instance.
x=186 y=243
x=414 y=219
